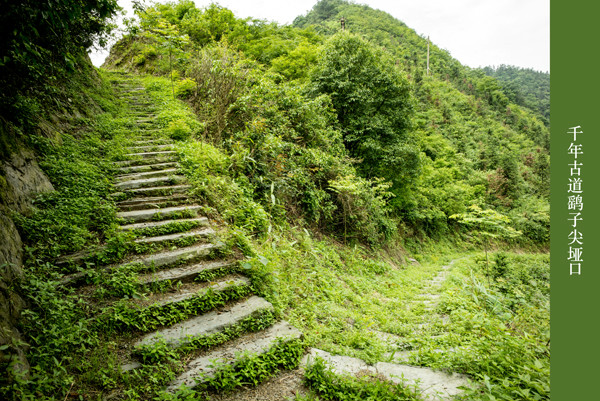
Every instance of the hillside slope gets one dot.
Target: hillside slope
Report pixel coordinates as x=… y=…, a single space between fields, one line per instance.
x=524 y=86
x=467 y=143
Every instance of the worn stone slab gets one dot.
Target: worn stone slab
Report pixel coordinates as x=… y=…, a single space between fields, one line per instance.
x=209 y=323
x=157 y=141
x=155 y=205
x=150 y=182
x=146 y=174
x=147 y=167
x=202 y=233
x=180 y=255
x=388 y=338
x=194 y=290
x=201 y=221
x=137 y=216
x=339 y=364
x=144 y=161
x=202 y=368
x=154 y=202
x=185 y=273
x=150 y=148
x=162 y=190
x=146 y=155
x=435 y=385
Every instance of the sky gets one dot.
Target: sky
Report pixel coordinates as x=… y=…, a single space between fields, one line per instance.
x=477 y=33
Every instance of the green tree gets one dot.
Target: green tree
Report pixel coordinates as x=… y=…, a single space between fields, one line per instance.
x=488 y=224
x=373 y=104
x=158 y=28
x=42 y=41
x=210 y=25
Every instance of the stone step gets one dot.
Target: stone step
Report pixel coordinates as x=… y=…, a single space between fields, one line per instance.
x=170 y=158
x=178 y=256
x=149 y=148
x=434 y=385
x=146 y=174
x=209 y=323
x=158 y=141
x=140 y=115
x=153 y=202
x=202 y=368
x=149 y=155
x=156 y=191
x=200 y=234
x=149 y=120
x=147 y=167
x=138 y=216
x=150 y=182
x=188 y=254
x=185 y=273
x=151 y=199
x=193 y=290
x=201 y=221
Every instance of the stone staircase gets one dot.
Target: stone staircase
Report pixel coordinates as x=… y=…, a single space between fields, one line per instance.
x=191 y=291
x=196 y=300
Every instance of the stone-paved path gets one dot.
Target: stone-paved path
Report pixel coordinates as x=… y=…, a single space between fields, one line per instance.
x=182 y=257
x=183 y=260
x=434 y=385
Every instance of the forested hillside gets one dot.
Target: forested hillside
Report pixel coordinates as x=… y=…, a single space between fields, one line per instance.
x=444 y=142
x=372 y=209
x=525 y=87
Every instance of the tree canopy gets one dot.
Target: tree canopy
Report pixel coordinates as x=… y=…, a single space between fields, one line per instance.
x=373 y=104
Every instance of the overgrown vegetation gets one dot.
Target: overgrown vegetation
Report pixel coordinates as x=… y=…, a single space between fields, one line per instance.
x=525 y=87
x=330 y=386
x=360 y=108
x=44 y=46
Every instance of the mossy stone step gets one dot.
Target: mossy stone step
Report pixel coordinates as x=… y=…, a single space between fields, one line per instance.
x=169 y=158
x=145 y=120
x=203 y=367
x=192 y=290
x=199 y=234
x=138 y=216
x=209 y=323
x=147 y=155
x=435 y=385
x=151 y=147
x=150 y=182
x=146 y=174
x=186 y=273
x=200 y=221
x=158 y=141
x=147 y=167
x=154 y=202
x=162 y=190
x=179 y=256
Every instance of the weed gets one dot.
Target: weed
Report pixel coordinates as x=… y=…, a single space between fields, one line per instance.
x=330 y=386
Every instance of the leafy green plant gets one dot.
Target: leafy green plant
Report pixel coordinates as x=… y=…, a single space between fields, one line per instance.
x=330 y=386
x=253 y=369
x=122 y=316
x=489 y=224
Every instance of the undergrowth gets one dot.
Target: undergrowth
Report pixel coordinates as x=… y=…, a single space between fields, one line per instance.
x=332 y=387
